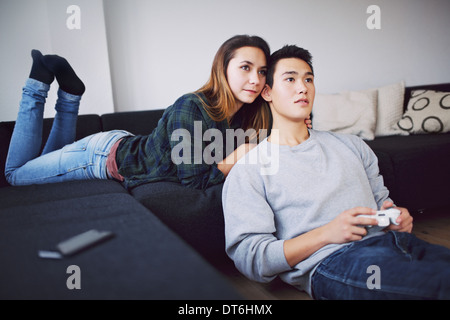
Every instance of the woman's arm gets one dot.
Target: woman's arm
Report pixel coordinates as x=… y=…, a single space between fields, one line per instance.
x=227 y=164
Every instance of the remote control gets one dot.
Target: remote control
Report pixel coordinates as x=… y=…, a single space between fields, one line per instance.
x=384 y=218
x=83 y=241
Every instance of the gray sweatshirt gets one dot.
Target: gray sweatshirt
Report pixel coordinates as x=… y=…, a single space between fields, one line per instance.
x=277 y=192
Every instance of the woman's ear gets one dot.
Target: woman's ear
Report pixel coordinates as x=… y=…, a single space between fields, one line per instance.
x=266 y=93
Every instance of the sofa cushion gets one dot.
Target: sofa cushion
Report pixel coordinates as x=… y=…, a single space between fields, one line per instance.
x=390 y=109
x=352 y=112
x=145 y=259
x=428 y=111
x=436 y=87
x=196 y=215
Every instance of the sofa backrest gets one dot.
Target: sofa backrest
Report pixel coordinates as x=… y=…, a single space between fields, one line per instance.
x=136 y=122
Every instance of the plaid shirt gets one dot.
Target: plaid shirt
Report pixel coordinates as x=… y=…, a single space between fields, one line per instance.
x=143 y=159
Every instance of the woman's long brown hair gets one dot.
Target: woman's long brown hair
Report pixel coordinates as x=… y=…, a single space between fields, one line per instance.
x=217 y=91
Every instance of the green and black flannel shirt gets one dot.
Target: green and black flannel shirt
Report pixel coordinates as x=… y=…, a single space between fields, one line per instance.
x=143 y=159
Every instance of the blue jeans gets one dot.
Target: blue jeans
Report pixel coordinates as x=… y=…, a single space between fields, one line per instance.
x=62 y=159
x=396 y=265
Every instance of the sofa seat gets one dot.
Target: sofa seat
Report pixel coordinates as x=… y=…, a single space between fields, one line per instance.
x=195 y=215
x=144 y=260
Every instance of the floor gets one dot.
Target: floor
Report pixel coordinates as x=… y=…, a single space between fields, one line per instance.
x=433 y=227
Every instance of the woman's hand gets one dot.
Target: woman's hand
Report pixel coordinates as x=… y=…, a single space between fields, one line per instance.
x=308 y=122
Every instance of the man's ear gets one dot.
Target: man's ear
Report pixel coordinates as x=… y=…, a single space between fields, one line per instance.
x=266 y=93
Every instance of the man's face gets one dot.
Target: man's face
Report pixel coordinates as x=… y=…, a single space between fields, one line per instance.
x=292 y=93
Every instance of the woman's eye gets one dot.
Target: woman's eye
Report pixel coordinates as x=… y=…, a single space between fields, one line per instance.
x=246 y=68
x=263 y=73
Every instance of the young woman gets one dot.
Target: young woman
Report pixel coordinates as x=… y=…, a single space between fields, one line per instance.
x=230 y=99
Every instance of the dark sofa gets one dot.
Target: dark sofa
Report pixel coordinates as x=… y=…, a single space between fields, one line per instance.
x=169 y=240
x=156 y=228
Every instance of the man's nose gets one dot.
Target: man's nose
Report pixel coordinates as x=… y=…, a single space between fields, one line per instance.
x=302 y=87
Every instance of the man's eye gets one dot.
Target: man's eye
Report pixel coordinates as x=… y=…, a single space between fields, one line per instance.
x=290 y=79
x=309 y=80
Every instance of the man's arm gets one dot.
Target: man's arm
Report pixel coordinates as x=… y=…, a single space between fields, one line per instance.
x=346 y=227
x=250 y=226
x=380 y=192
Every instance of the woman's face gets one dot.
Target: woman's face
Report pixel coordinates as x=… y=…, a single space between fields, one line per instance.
x=246 y=74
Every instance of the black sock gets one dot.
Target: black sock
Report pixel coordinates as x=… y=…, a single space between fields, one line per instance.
x=67 y=79
x=39 y=71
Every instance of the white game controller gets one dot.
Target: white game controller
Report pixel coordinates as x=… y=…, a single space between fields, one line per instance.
x=384 y=218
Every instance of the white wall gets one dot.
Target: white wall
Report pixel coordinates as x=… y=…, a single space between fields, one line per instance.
x=162 y=49
x=41 y=24
x=157 y=50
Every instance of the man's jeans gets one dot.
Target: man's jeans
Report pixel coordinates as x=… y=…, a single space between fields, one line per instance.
x=396 y=265
x=61 y=158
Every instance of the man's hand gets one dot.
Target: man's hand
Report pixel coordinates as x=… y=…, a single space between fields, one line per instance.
x=404 y=220
x=347 y=226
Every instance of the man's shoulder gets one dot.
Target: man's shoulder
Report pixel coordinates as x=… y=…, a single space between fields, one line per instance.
x=346 y=141
x=344 y=137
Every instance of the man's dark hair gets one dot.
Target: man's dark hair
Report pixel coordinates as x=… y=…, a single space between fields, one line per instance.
x=288 y=51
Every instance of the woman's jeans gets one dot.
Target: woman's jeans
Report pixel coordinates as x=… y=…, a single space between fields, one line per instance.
x=62 y=159
x=396 y=265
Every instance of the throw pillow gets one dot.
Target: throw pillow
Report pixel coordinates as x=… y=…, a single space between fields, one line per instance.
x=390 y=110
x=352 y=112
x=428 y=111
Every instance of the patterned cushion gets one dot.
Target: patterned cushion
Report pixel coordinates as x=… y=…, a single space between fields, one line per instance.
x=428 y=111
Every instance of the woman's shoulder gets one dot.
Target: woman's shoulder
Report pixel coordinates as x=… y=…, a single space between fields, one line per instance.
x=189 y=107
x=192 y=99
x=352 y=141
x=189 y=104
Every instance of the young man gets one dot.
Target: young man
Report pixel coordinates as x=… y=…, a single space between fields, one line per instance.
x=302 y=221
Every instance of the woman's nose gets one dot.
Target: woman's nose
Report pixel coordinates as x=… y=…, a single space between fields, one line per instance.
x=254 y=78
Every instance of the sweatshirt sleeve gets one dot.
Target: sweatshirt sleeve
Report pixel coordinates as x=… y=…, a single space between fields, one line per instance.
x=185 y=128
x=250 y=226
x=370 y=162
